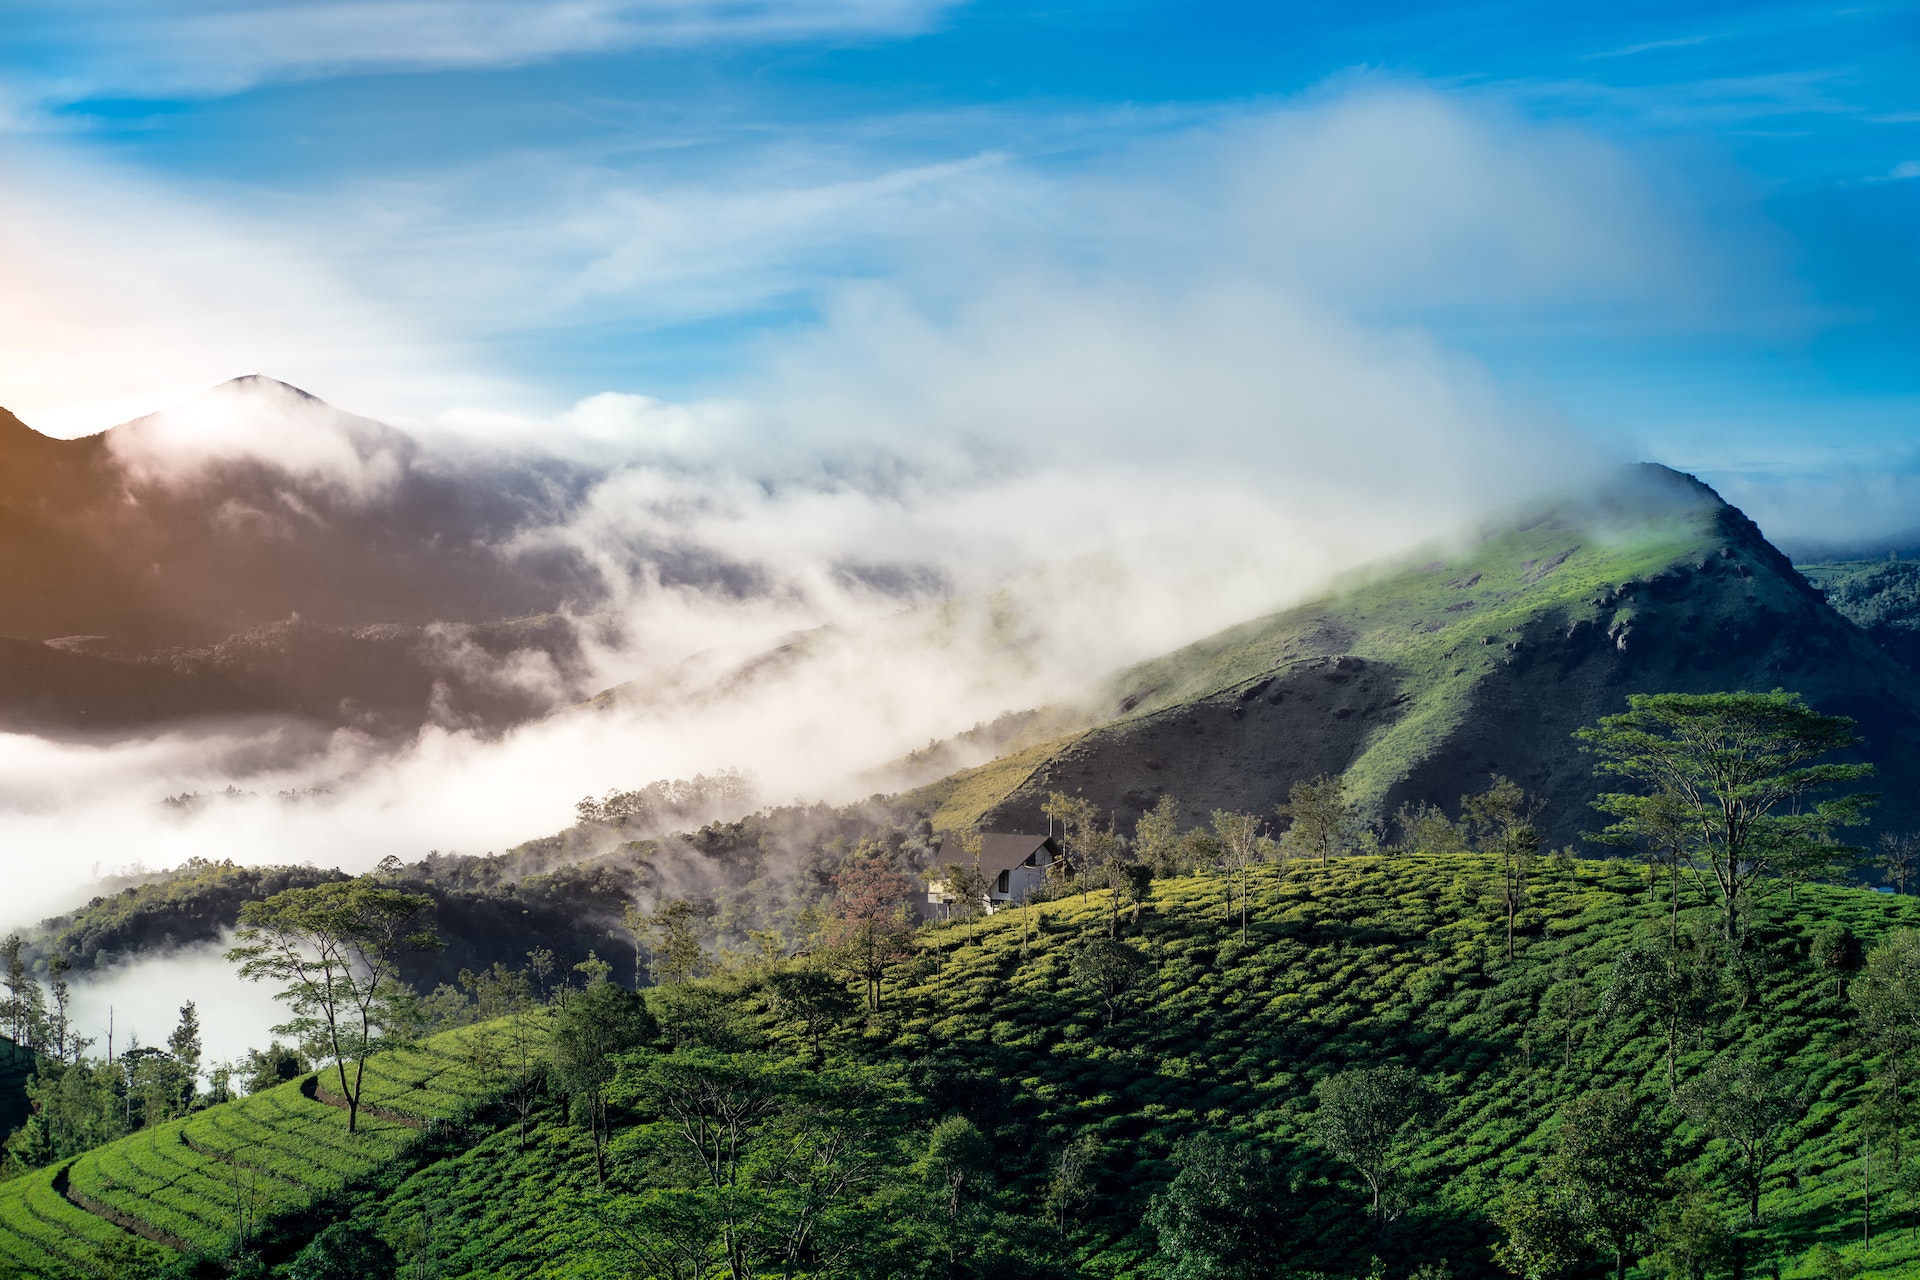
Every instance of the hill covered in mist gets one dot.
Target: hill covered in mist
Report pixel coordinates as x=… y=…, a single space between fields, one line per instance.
x=259 y=551
x=1414 y=681
x=1417 y=681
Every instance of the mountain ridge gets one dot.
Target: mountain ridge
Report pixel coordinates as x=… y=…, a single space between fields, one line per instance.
x=1419 y=681
x=138 y=563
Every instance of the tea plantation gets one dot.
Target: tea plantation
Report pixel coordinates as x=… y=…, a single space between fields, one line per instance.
x=214 y=1183
x=1005 y=1114
x=1077 y=1123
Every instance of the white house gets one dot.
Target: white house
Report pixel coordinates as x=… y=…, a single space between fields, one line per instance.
x=1014 y=866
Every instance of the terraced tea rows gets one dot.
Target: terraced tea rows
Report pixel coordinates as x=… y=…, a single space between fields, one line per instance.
x=204 y=1183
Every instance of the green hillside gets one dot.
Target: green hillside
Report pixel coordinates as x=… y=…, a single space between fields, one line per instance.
x=1366 y=963
x=1416 y=681
x=267 y=1165
x=1881 y=597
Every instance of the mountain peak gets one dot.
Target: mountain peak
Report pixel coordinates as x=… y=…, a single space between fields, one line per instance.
x=257 y=382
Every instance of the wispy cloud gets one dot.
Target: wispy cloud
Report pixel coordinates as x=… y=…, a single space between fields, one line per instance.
x=1108 y=412
x=114 y=48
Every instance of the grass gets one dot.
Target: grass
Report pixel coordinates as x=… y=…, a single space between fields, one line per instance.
x=1368 y=961
x=1443 y=626
x=256 y=1159
x=1372 y=961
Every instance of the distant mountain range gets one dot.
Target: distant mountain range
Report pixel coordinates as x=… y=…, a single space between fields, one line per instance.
x=1419 y=682
x=257 y=550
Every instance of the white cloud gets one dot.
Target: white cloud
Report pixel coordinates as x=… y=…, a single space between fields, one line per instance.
x=122 y=296
x=1116 y=409
x=264 y=420
x=382 y=296
x=208 y=46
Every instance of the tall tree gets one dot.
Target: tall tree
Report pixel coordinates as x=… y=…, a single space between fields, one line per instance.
x=1077 y=819
x=1677 y=986
x=1662 y=830
x=714 y=1105
x=957 y=1172
x=967 y=885
x=1106 y=969
x=184 y=1044
x=1609 y=1159
x=1370 y=1118
x=1215 y=1219
x=1743 y=766
x=672 y=933
x=867 y=926
x=598 y=1023
x=1835 y=949
x=1747 y=1105
x=1236 y=848
x=335 y=948
x=1425 y=828
x=1321 y=818
x=1542 y=1239
x=813 y=999
x=1899 y=858
x=1156 y=838
x=1886 y=999
x=1501 y=820
x=24 y=1009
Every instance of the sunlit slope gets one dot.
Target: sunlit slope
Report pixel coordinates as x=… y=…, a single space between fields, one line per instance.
x=1400 y=960
x=1417 y=681
x=196 y=1185
x=1368 y=962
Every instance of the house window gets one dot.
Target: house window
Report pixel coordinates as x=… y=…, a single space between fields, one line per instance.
x=1004 y=884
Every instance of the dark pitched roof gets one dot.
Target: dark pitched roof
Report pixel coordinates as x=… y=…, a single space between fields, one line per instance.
x=999 y=851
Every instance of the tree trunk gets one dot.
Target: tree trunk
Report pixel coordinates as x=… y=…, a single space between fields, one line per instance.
x=1866 y=1202
x=351 y=1095
x=1673 y=919
x=599 y=1151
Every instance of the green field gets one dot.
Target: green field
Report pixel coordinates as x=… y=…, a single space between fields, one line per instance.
x=198 y=1185
x=1371 y=961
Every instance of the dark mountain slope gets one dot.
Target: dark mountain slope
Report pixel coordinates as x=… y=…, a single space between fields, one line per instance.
x=258 y=551
x=1881 y=597
x=135 y=535
x=1421 y=681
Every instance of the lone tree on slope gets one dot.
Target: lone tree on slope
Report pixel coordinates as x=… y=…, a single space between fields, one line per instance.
x=1740 y=766
x=1371 y=1118
x=867 y=928
x=1322 y=818
x=1501 y=820
x=335 y=948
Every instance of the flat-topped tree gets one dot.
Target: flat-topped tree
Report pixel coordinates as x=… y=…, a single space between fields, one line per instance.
x=335 y=948
x=1737 y=772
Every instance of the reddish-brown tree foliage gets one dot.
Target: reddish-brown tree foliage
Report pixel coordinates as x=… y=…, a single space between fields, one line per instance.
x=869 y=928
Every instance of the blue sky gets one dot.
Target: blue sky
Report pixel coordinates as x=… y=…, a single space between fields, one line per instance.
x=506 y=208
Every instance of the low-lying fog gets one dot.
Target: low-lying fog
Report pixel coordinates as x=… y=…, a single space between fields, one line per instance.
x=140 y=1004
x=1195 y=406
